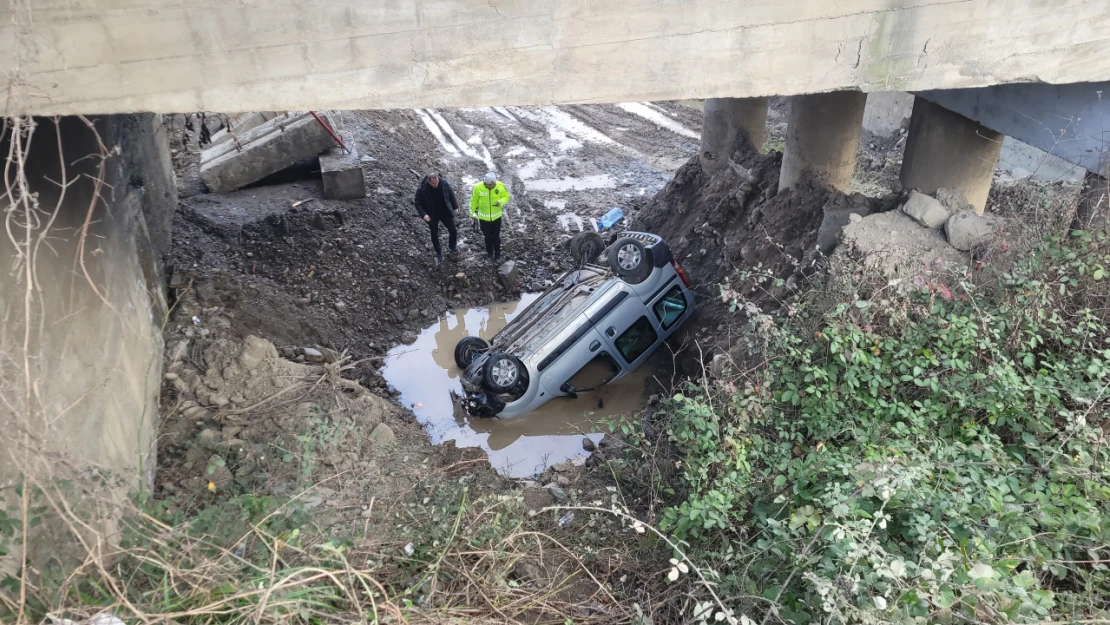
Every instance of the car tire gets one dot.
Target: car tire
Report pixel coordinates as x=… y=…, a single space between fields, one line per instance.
x=585 y=247
x=469 y=348
x=502 y=372
x=630 y=259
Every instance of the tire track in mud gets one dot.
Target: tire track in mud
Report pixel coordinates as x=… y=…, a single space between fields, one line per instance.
x=566 y=165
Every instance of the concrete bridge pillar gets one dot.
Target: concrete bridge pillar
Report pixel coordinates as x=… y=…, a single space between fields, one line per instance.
x=1093 y=212
x=724 y=118
x=946 y=149
x=822 y=135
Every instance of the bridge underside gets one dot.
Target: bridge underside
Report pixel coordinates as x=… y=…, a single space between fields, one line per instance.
x=112 y=56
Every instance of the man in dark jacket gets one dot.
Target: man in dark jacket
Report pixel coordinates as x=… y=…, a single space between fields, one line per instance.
x=436 y=203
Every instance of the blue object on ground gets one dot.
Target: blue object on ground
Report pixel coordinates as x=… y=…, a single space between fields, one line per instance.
x=610 y=218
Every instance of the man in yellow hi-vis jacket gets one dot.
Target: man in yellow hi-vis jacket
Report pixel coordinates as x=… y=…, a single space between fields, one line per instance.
x=486 y=202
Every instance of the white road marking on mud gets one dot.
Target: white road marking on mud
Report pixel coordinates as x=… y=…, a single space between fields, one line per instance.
x=437 y=133
x=565 y=142
x=568 y=183
x=463 y=146
x=554 y=117
x=663 y=121
x=530 y=169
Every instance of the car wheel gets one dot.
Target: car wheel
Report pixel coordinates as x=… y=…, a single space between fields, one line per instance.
x=630 y=259
x=502 y=372
x=585 y=247
x=469 y=348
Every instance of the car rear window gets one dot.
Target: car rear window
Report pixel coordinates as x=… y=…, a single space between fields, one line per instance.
x=636 y=339
x=670 y=308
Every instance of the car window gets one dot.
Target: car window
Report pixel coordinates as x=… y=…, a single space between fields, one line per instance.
x=670 y=308
x=636 y=339
x=596 y=372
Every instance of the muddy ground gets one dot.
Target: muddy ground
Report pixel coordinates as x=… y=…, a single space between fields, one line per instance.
x=356 y=277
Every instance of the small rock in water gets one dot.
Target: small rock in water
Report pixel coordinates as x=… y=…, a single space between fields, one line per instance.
x=408 y=337
x=588 y=445
x=313 y=355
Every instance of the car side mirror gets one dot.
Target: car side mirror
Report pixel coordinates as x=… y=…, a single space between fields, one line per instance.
x=569 y=390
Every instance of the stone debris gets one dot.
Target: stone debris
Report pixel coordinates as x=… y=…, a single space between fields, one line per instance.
x=509 y=274
x=925 y=210
x=266 y=149
x=382 y=435
x=313 y=355
x=967 y=230
x=953 y=200
x=896 y=246
x=838 y=212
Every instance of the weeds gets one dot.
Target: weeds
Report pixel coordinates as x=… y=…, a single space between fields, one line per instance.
x=933 y=451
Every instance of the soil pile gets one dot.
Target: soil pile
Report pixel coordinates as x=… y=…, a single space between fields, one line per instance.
x=735 y=220
x=238 y=417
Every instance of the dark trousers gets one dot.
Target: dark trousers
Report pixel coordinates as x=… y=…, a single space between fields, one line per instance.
x=492 y=231
x=452 y=232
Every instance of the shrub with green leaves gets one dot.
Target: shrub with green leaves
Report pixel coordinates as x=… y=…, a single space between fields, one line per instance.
x=934 y=451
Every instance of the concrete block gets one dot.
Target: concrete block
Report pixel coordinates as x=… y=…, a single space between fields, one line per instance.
x=509 y=274
x=925 y=210
x=241 y=124
x=966 y=230
x=838 y=213
x=341 y=172
x=267 y=149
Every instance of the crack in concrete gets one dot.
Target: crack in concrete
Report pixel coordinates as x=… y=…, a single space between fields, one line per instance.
x=490 y=3
x=859 y=53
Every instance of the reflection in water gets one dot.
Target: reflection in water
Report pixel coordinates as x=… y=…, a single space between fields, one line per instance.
x=425 y=373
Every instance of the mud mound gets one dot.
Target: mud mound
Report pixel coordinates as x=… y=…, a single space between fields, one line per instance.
x=736 y=219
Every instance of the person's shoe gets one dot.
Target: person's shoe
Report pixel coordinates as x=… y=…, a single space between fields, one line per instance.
x=496 y=257
x=439 y=258
x=489 y=256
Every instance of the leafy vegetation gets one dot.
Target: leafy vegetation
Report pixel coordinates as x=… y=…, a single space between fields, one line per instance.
x=931 y=451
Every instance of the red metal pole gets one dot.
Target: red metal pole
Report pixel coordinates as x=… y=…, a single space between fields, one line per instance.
x=330 y=131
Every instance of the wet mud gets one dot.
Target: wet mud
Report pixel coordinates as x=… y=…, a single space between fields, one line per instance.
x=425 y=374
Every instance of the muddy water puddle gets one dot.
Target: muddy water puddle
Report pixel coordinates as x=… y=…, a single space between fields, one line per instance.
x=425 y=374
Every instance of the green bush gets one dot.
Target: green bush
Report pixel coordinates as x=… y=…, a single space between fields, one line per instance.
x=932 y=452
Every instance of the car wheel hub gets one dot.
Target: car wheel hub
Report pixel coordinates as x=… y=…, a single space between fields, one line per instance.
x=629 y=257
x=503 y=373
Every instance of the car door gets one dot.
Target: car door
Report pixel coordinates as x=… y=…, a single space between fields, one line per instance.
x=631 y=332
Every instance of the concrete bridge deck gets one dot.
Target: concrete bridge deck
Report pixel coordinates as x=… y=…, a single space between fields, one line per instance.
x=113 y=56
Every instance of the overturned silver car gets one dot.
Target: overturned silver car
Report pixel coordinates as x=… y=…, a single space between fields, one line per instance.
x=596 y=324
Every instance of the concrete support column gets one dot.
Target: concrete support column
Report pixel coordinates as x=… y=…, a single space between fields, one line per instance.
x=822 y=135
x=946 y=149
x=1093 y=212
x=724 y=118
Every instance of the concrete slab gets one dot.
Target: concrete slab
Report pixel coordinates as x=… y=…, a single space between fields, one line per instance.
x=243 y=123
x=267 y=149
x=341 y=172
